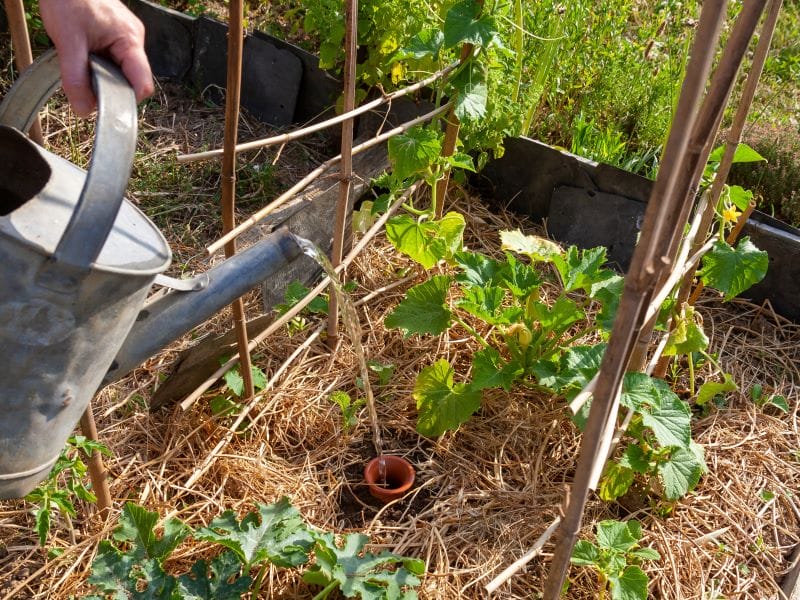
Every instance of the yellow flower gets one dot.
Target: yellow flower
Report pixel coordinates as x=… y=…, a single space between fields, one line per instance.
x=730 y=214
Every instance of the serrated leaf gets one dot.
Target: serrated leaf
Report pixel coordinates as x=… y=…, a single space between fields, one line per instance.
x=219 y=580
x=661 y=409
x=471 y=92
x=42 y=517
x=534 y=247
x=687 y=334
x=490 y=370
x=427 y=242
x=477 y=269
x=615 y=482
x=779 y=402
x=486 y=303
x=423 y=310
x=555 y=318
x=130 y=575
x=259 y=378
x=711 y=389
x=360 y=573
x=461 y=160
x=734 y=271
x=521 y=279
x=635 y=459
x=583 y=269
x=275 y=533
x=630 y=585
x=464 y=23
x=414 y=151
x=235 y=382
x=615 y=535
x=137 y=526
x=682 y=471
x=442 y=404
x=576 y=368
x=585 y=554
x=427 y=42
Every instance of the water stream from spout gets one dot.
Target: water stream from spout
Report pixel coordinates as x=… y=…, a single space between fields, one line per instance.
x=353 y=326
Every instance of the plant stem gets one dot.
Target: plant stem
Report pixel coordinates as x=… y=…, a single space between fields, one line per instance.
x=259 y=580
x=327 y=590
x=601 y=585
x=691 y=374
x=472 y=331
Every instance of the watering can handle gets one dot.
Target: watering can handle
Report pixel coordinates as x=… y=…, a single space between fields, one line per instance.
x=112 y=157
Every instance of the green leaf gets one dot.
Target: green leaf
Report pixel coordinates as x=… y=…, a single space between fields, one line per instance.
x=682 y=471
x=427 y=42
x=235 y=381
x=442 y=404
x=137 y=526
x=490 y=370
x=687 y=335
x=646 y=554
x=275 y=533
x=615 y=482
x=520 y=279
x=734 y=271
x=423 y=310
x=743 y=154
x=464 y=23
x=219 y=580
x=635 y=459
x=414 y=152
x=130 y=575
x=427 y=242
x=779 y=402
x=576 y=368
x=582 y=269
x=557 y=318
x=471 y=92
x=616 y=535
x=739 y=196
x=486 y=303
x=711 y=389
x=384 y=371
x=360 y=573
x=534 y=247
x=294 y=293
x=478 y=270
x=662 y=410
x=631 y=585
x=585 y=554
x=461 y=160
x=42 y=516
x=259 y=378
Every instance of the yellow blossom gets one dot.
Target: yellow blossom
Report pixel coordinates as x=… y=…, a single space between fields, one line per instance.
x=730 y=214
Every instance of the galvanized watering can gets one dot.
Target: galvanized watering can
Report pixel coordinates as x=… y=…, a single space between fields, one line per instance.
x=77 y=262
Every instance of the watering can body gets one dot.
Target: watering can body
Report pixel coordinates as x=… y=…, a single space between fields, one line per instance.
x=78 y=261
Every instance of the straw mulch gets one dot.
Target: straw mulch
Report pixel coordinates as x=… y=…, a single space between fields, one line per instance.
x=483 y=495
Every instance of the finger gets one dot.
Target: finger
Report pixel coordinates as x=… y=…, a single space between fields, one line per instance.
x=75 y=81
x=136 y=68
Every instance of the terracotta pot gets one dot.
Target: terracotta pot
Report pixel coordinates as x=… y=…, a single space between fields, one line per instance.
x=390 y=482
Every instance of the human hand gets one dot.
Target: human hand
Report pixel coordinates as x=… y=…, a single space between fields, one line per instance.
x=106 y=27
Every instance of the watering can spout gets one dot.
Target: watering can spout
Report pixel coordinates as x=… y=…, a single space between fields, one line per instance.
x=165 y=318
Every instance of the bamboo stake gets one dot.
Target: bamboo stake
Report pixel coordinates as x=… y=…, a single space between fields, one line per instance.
x=345 y=204
x=308 y=179
x=295 y=310
x=97 y=471
x=20 y=40
x=305 y=131
x=701 y=143
x=232 y=99
x=646 y=268
x=735 y=134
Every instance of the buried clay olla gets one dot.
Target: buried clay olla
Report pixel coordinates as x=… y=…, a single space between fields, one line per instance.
x=390 y=480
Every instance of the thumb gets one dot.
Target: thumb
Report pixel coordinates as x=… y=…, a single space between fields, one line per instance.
x=74 y=62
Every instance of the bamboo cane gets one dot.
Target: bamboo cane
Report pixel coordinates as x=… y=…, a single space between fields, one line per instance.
x=305 y=131
x=20 y=40
x=345 y=204
x=646 y=268
x=232 y=99
x=735 y=134
x=701 y=143
x=97 y=471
